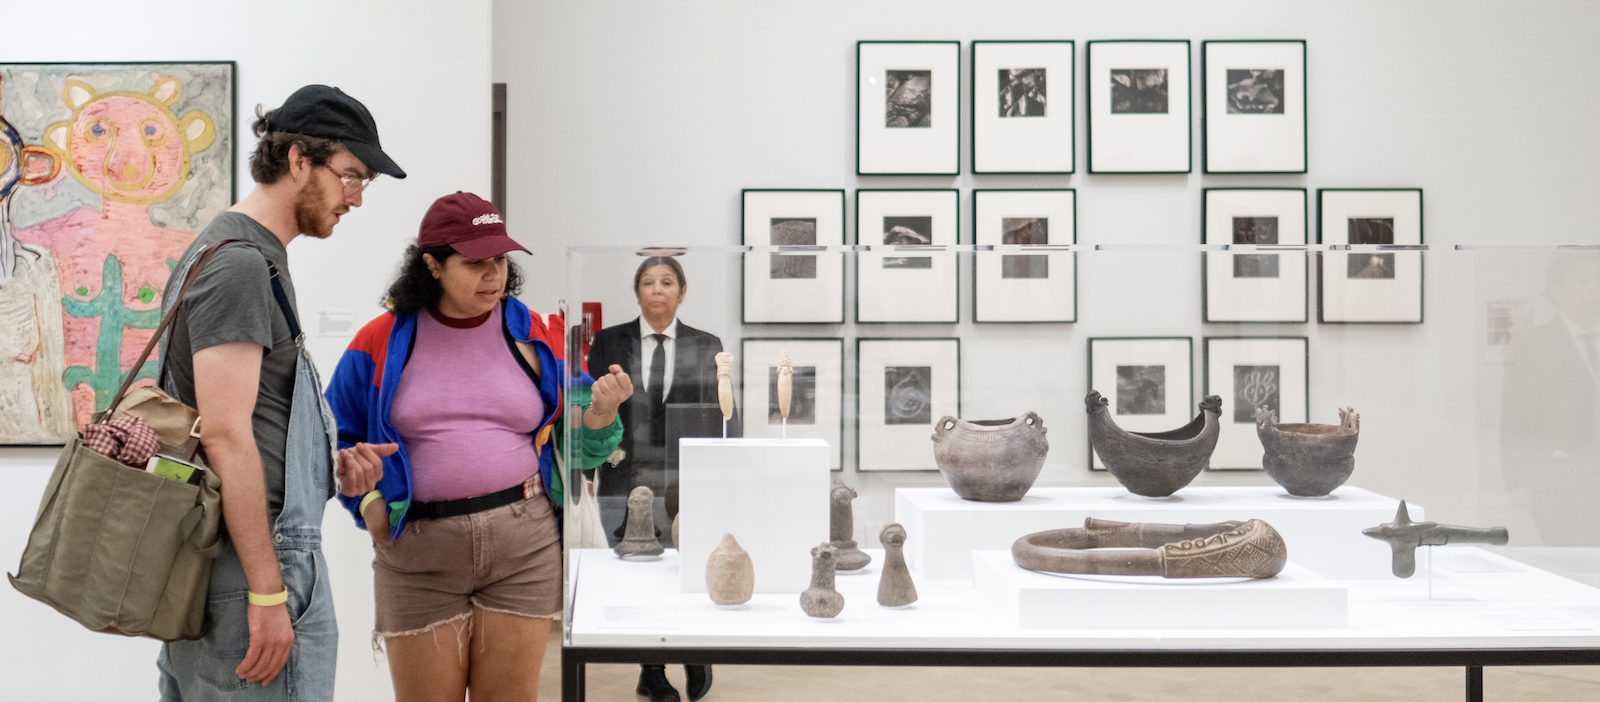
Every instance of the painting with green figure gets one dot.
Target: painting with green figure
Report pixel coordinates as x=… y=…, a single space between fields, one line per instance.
x=106 y=375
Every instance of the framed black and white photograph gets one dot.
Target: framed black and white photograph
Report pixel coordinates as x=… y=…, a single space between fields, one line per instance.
x=903 y=386
x=1377 y=281
x=913 y=284
x=1012 y=285
x=1148 y=382
x=799 y=286
x=908 y=108
x=1250 y=374
x=816 y=401
x=1023 y=117
x=1253 y=106
x=1257 y=286
x=1138 y=103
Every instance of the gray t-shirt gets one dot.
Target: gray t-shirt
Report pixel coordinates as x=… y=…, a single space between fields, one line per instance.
x=231 y=301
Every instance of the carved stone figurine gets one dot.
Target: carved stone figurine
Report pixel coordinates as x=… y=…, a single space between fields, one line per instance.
x=1309 y=460
x=725 y=384
x=1250 y=549
x=842 y=525
x=990 y=460
x=640 y=538
x=785 y=384
x=730 y=575
x=1154 y=464
x=895 y=588
x=821 y=600
x=1404 y=536
x=675 y=530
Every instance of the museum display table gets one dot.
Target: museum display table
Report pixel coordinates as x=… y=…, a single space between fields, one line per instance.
x=1485 y=609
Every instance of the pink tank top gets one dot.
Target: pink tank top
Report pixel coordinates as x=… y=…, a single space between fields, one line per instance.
x=466 y=410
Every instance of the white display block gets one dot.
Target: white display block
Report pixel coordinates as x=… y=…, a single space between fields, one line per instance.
x=1324 y=535
x=771 y=494
x=1296 y=599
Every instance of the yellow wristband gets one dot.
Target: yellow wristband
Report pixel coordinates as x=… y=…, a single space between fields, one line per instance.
x=269 y=600
x=374 y=495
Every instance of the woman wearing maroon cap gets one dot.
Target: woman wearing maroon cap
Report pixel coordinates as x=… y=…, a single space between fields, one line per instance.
x=467 y=382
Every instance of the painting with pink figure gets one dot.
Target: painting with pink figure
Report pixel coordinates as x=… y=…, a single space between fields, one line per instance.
x=107 y=173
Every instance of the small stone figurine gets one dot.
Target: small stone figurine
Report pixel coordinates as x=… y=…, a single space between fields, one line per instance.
x=821 y=600
x=640 y=538
x=895 y=588
x=785 y=384
x=725 y=384
x=730 y=575
x=841 y=525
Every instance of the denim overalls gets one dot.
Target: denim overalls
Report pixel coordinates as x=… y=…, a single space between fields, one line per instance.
x=204 y=670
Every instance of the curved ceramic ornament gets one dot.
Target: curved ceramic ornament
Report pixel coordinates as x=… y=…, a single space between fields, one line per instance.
x=1154 y=464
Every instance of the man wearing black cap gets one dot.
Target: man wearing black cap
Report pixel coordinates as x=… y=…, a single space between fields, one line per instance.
x=235 y=353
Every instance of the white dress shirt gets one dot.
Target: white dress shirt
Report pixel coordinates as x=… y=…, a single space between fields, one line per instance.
x=647 y=349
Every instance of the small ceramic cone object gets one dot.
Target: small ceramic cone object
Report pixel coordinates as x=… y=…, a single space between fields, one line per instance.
x=895 y=588
x=675 y=531
x=725 y=384
x=730 y=575
x=785 y=384
x=640 y=538
x=842 y=525
x=821 y=600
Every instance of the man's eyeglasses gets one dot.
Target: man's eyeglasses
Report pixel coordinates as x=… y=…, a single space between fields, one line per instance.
x=352 y=184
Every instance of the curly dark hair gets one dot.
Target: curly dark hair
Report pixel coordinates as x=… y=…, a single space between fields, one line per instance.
x=414 y=287
x=270 y=162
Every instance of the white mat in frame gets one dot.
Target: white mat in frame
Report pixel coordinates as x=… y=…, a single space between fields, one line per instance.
x=793 y=288
x=903 y=386
x=908 y=108
x=1138 y=100
x=1249 y=372
x=907 y=286
x=1261 y=287
x=1148 y=382
x=1370 y=286
x=816 y=409
x=1023 y=107
x=1013 y=287
x=1253 y=106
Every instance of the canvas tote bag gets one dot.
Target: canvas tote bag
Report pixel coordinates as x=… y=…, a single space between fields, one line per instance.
x=121 y=550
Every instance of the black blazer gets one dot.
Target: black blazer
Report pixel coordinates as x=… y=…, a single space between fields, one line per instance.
x=694 y=380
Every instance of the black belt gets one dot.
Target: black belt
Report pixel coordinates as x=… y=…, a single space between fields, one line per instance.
x=470 y=505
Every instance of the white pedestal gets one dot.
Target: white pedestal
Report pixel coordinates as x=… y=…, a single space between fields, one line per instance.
x=1296 y=599
x=771 y=494
x=1323 y=535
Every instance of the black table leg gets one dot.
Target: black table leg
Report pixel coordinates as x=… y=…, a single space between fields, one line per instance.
x=1475 y=684
x=572 y=670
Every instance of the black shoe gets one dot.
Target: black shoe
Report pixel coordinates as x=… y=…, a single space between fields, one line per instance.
x=653 y=684
x=699 y=681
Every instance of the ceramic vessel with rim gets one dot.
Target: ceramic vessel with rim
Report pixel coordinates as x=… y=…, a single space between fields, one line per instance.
x=990 y=460
x=1309 y=460
x=1154 y=464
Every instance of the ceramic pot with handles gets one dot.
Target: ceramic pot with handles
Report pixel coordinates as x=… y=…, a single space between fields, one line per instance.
x=990 y=460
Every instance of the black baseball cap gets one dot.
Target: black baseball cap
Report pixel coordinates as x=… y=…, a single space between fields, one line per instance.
x=327 y=113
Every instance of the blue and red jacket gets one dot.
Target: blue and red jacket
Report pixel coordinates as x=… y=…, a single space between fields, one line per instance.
x=364 y=383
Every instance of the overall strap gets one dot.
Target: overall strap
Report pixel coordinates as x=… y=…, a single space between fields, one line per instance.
x=283 y=304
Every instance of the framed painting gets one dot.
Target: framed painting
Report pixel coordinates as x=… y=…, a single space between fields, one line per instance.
x=1253 y=106
x=816 y=406
x=903 y=386
x=1147 y=382
x=799 y=284
x=908 y=276
x=108 y=172
x=1378 y=280
x=1016 y=125
x=1030 y=283
x=908 y=108
x=1253 y=285
x=1251 y=374
x=1138 y=102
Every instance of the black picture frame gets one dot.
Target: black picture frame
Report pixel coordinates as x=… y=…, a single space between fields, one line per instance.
x=745 y=284
x=1069 y=112
x=977 y=307
x=1090 y=102
x=934 y=414
x=937 y=252
x=1188 y=365
x=753 y=426
x=1205 y=258
x=1232 y=434
x=1406 y=249
x=1207 y=120
x=867 y=144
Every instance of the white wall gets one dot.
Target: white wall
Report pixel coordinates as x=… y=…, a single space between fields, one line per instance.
x=422 y=68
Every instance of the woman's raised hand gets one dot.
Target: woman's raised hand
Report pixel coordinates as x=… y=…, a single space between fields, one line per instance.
x=607 y=394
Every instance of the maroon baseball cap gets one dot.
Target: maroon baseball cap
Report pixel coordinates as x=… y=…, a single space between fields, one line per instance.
x=468 y=224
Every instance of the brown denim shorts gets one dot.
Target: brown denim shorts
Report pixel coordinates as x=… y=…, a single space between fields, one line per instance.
x=506 y=559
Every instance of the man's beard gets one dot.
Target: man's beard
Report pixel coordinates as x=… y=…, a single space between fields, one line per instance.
x=308 y=210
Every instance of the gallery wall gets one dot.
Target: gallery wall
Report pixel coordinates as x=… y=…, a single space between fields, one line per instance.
x=422 y=68
x=638 y=124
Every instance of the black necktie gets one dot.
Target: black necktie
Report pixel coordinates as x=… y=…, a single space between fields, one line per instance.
x=657 y=386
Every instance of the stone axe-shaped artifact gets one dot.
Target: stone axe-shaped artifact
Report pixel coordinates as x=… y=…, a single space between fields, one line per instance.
x=1404 y=536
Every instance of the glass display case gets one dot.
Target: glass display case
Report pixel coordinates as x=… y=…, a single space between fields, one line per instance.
x=989 y=399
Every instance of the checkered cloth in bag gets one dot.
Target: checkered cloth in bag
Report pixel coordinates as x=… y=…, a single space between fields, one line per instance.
x=129 y=440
